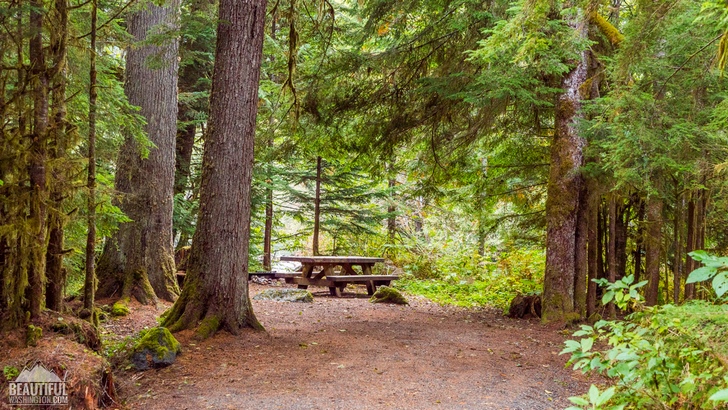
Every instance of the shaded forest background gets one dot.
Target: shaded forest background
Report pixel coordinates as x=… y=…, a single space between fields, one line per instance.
x=487 y=148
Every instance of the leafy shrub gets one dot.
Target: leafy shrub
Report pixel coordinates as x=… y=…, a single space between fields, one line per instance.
x=660 y=357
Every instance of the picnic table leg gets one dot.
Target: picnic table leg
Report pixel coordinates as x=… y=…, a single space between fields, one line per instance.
x=371 y=288
x=335 y=291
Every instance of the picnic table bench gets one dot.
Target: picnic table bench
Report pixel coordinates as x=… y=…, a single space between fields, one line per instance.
x=322 y=271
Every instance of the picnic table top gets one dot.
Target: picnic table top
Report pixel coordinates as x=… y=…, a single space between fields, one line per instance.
x=332 y=259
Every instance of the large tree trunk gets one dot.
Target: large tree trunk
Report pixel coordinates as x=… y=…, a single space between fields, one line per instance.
x=37 y=164
x=89 y=291
x=652 y=242
x=216 y=291
x=139 y=259
x=55 y=272
x=564 y=188
x=317 y=209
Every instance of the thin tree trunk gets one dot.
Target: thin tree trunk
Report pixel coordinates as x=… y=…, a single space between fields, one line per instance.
x=593 y=253
x=677 y=246
x=620 y=240
x=652 y=242
x=601 y=234
x=139 y=259
x=268 y=231
x=37 y=166
x=89 y=287
x=580 y=257
x=564 y=188
x=639 y=241
x=700 y=209
x=689 y=247
x=317 y=209
x=392 y=218
x=217 y=291
x=612 y=250
x=185 y=142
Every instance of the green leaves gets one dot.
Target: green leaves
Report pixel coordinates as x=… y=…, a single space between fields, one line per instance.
x=715 y=267
x=623 y=292
x=596 y=400
x=721 y=395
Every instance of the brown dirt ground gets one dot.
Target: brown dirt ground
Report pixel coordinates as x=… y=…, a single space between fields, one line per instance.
x=347 y=353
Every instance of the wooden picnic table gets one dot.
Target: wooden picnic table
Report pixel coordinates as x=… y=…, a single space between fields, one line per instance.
x=321 y=271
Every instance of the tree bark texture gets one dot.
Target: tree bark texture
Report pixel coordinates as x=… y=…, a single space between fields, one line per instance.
x=55 y=272
x=317 y=209
x=652 y=246
x=89 y=291
x=564 y=188
x=139 y=259
x=37 y=169
x=216 y=288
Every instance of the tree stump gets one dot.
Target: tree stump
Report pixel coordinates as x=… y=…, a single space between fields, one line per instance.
x=524 y=307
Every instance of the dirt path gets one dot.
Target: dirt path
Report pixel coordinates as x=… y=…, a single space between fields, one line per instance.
x=350 y=354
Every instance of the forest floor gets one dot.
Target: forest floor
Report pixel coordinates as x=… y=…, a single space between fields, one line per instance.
x=347 y=353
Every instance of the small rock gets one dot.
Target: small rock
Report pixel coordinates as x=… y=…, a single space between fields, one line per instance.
x=156 y=348
x=285 y=295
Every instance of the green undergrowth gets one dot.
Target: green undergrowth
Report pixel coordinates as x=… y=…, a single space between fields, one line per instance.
x=496 y=292
x=470 y=280
x=663 y=357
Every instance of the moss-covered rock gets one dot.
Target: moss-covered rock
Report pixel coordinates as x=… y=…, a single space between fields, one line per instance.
x=33 y=334
x=120 y=308
x=385 y=294
x=155 y=348
x=285 y=295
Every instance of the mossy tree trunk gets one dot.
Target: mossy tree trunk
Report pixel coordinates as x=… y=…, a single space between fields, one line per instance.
x=215 y=295
x=37 y=169
x=89 y=291
x=563 y=194
x=55 y=272
x=139 y=259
